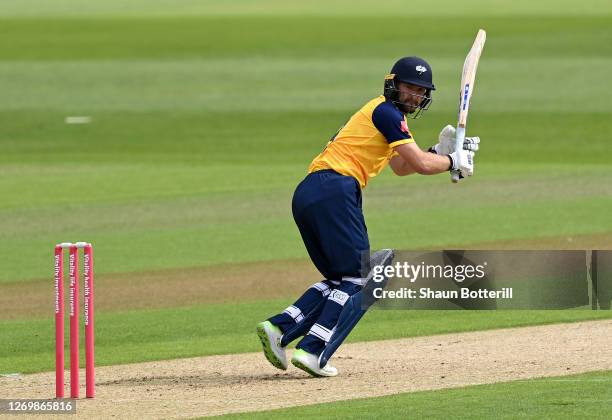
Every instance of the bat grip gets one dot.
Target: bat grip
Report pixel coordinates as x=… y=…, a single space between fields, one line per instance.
x=459 y=139
x=455 y=176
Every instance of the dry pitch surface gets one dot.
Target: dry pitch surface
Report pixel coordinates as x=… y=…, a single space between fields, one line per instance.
x=246 y=382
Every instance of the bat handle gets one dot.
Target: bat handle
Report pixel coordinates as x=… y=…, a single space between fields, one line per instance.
x=459 y=138
x=455 y=176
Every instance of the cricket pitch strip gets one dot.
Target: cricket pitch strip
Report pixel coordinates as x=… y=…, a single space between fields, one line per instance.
x=216 y=385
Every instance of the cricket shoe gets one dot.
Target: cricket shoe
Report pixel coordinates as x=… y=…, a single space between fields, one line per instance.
x=310 y=363
x=270 y=335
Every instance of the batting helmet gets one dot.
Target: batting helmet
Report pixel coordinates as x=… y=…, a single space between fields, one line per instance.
x=412 y=70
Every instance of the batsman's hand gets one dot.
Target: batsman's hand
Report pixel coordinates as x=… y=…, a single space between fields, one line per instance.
x=466 y=157
x=446 y=142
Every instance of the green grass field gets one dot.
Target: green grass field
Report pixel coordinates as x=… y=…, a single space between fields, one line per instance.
x=205 y=115
x=198 y=140
x=578 y=396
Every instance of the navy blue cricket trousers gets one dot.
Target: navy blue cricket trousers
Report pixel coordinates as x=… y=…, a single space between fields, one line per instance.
x=327 y=209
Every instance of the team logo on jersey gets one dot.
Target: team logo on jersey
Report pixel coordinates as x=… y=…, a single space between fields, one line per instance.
x=404 y=126
x=420 y=69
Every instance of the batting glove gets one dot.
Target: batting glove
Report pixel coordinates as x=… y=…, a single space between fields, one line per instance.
x=446 y=142
x=466 y=157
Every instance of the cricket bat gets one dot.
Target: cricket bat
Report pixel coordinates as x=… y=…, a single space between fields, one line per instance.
x=467 y=88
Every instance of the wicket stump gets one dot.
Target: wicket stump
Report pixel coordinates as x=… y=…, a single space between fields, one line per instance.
x=88 y=277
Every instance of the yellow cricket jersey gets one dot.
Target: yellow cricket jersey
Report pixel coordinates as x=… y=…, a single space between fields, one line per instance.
x=364 y=145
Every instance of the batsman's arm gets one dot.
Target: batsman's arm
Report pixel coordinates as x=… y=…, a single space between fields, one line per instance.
x=417 y=161
x=400 y=167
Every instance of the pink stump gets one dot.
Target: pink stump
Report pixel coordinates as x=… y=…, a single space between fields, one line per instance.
x=59 y=321
x=74 y=322
x=88 y=285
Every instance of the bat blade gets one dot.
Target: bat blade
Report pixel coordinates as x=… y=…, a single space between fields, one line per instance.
x=468 y=76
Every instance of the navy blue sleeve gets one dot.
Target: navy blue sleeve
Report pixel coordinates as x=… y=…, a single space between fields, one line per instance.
x=391 y=123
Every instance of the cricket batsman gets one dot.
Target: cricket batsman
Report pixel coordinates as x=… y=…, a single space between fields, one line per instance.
x=327 y=207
